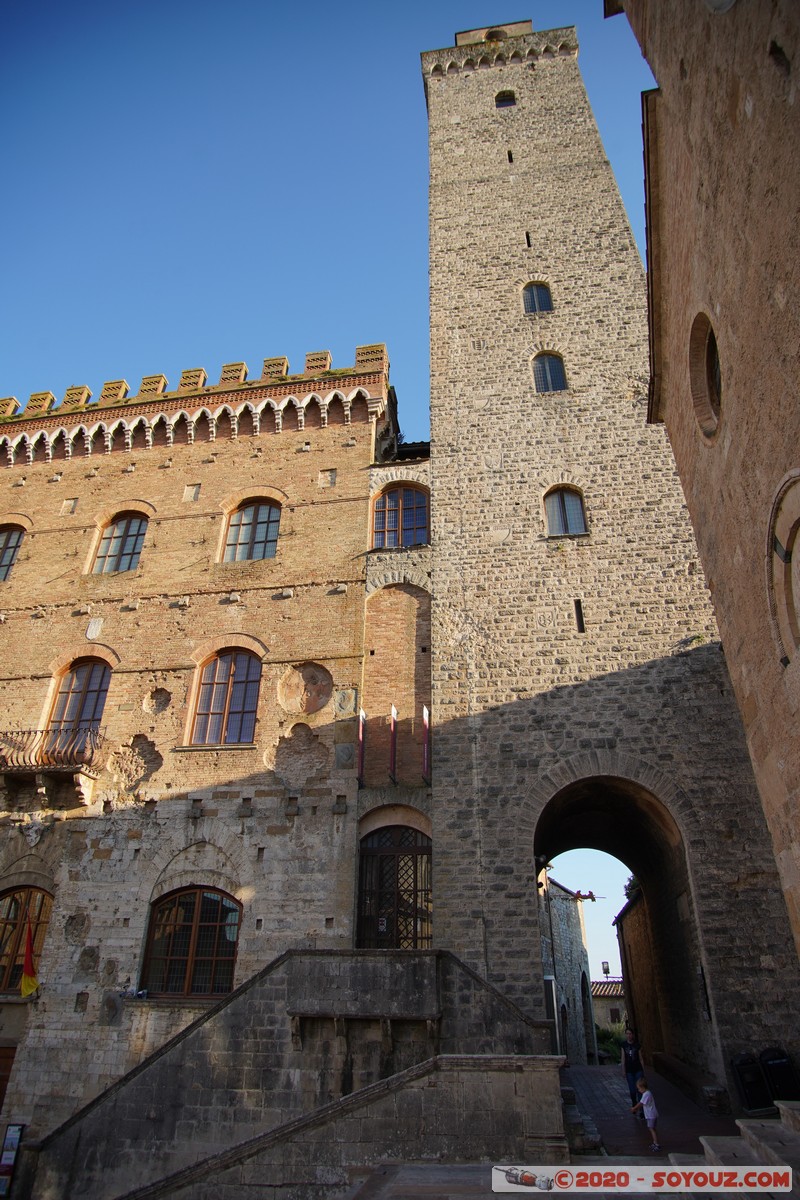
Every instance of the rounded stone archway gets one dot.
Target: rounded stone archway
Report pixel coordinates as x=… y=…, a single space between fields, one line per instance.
x=661 y=941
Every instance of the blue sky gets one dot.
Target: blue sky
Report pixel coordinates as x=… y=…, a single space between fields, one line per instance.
x=189 y=183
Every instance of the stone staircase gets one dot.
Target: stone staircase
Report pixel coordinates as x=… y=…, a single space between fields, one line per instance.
x=323 y=1062
x=582 y=1133
x=762 y=1142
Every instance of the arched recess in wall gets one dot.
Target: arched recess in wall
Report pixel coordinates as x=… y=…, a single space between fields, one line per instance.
x=658 y=929
x=396 y=673
x=783 y=566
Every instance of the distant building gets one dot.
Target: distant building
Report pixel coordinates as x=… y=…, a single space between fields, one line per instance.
x=565 y=960
x=608 y=1001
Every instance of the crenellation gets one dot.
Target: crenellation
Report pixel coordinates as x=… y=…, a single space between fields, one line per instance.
x=192 y=380
x=75 y=398
x=233 y=373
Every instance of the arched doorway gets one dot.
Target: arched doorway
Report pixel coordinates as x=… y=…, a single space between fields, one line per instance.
x=394 y=890
x=662 y=953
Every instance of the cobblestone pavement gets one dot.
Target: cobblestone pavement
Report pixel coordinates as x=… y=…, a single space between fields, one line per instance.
x=602 y=1094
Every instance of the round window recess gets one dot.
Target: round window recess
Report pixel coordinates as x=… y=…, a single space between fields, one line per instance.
x=495 y=35
x=705 y=377
x=784 y=558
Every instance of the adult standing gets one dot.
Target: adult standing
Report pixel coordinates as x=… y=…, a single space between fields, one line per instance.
x=632 y=1063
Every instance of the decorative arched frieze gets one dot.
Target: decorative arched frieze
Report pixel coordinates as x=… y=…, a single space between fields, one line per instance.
x=8 y=517
x=201 y=862
x=234 y=640
x=390 y=576
x=260 y=492
x=28 y=870
x=85 y=650
x=411 y=473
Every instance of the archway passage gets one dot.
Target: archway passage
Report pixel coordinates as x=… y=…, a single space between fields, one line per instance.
x=659 y=935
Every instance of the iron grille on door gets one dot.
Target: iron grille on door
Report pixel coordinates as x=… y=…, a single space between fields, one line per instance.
x=394 y=894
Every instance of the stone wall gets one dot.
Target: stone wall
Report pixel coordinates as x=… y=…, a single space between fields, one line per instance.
x=565 y=958
x=307 y=1031
x=552 y=732
x=723 y=172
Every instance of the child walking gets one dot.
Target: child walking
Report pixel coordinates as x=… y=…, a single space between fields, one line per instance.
x=648 y=1106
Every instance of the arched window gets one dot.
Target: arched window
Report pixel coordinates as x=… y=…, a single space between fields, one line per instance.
x=505 y=100
x=565 y=512
x=16 y=908
x=191 y=944
x=121 y=544
x=536 y=298
x=549 y=374
x=394 y=890
x=10 y=541
x=225 y=712
x=400 y=518
x=253 y=531
x=78 y=707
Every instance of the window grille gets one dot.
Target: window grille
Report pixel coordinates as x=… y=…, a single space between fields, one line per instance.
x=191 y=944
x=536 y=298
x=395 y=898
x=549 y=374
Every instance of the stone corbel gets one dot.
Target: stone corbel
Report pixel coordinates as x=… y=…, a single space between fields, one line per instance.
x=84 y=787
x=44 y=789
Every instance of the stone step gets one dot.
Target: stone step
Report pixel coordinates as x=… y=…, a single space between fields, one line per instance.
x=440 y=1181
x=688 y=1160
x=790 y=1114
x=772 y=1142
x=729 y=1152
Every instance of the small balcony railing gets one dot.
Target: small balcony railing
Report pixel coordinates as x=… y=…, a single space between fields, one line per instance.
x=52 y=750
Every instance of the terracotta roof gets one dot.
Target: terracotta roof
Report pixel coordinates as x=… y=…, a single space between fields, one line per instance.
x=607 y=989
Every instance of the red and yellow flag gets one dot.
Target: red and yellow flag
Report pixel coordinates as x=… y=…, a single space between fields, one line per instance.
x=29 y=983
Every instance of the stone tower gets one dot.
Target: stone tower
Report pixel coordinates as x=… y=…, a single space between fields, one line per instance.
x=579 y=693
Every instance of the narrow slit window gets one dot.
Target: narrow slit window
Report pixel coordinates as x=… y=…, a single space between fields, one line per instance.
x=580 y=624
x=510 y=156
